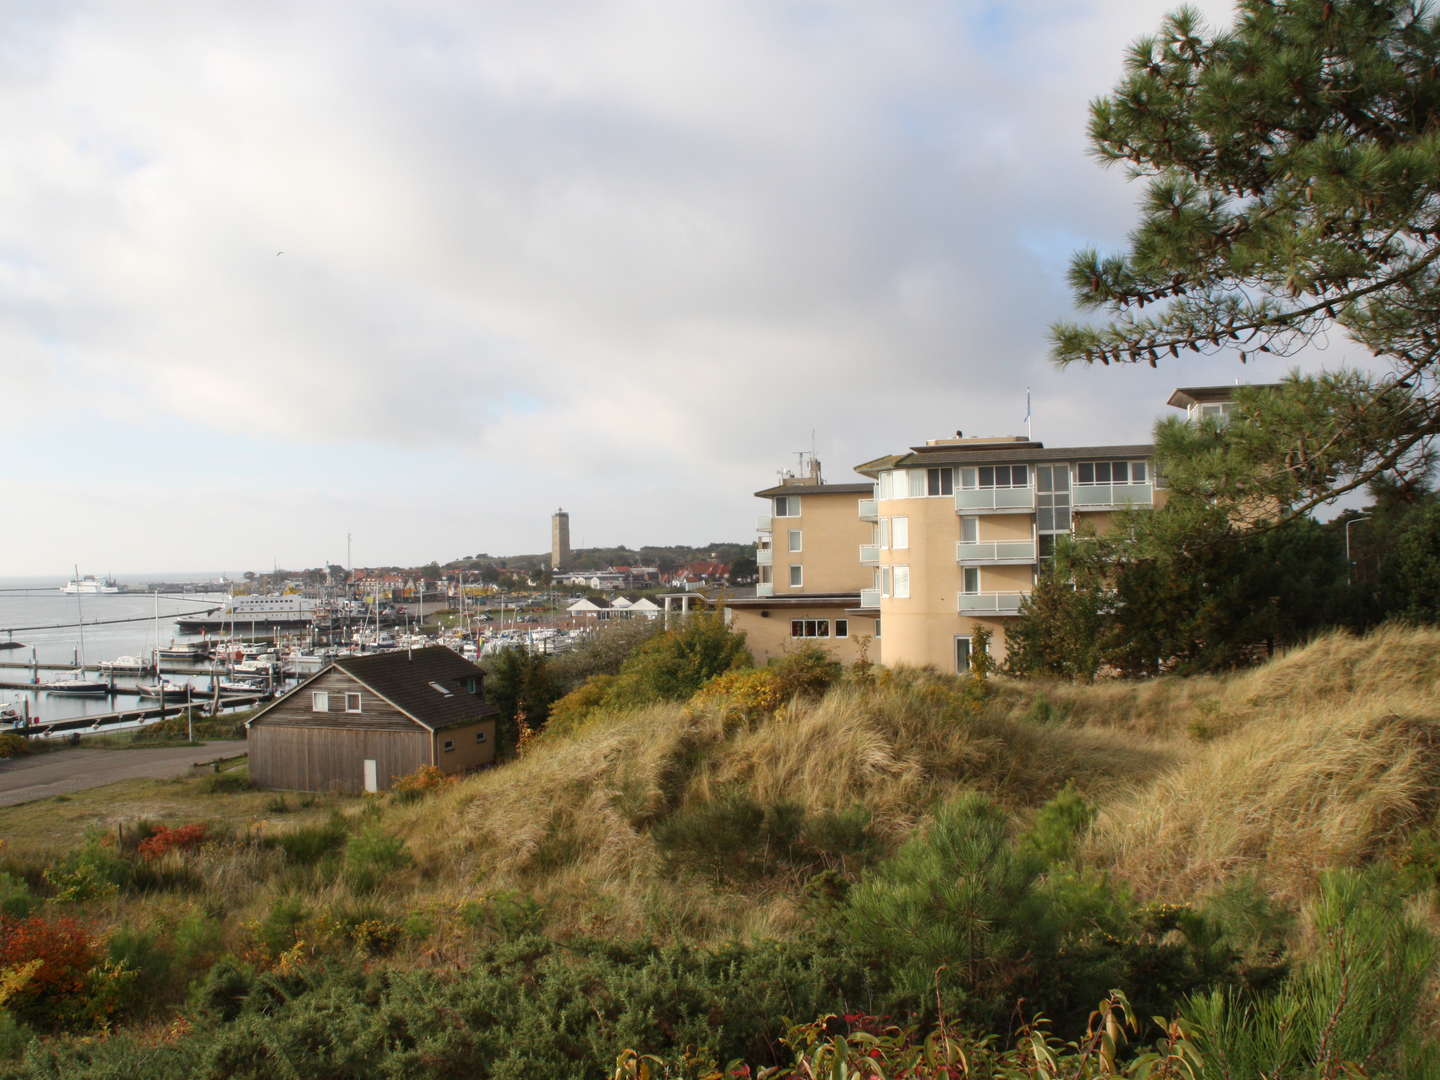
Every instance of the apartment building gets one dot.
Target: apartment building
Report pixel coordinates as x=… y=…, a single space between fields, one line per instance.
x=944 y=538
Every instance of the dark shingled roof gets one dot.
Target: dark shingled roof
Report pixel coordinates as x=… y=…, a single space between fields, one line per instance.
x=991 y=456
x=817 y=489
x=404 y=679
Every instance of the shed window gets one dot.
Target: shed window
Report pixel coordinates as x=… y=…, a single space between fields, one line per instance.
x=479 y=736
x=319 y=701
x=352 y=702
x=449 y=745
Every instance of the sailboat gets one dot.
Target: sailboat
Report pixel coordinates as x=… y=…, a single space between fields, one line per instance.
x=76 y=684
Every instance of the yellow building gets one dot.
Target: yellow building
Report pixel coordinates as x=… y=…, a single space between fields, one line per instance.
x=946 y=537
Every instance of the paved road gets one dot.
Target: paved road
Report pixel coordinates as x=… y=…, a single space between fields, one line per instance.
x=65 y=771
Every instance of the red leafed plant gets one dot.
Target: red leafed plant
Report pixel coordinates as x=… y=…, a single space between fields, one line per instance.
x=162 y=840
x=65 y=949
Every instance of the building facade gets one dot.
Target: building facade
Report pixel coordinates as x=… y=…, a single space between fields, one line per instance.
x=945 y=538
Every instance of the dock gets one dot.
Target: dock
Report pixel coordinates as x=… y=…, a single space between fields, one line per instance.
x=97 y=722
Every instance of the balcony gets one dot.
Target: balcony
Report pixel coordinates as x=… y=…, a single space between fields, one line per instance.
x=763 y=524
x=765 y=556
x=991 y=603
x=765 y=588
x=994 y=500
x=869 y=554
x=869 y=598
x=1111 y=496
x=868 y=510
x=995 y=553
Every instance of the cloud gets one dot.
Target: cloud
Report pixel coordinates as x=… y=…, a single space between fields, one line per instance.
x=590 y=253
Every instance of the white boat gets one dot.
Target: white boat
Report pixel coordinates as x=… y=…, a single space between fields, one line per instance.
x=169 y=690
x=242 y=686
x=183 y=651
x=89 y=584
x=123 y=663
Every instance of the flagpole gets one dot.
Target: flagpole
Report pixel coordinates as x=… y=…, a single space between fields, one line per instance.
x=1027 y=415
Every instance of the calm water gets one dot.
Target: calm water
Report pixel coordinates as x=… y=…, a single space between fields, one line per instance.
x=43 y=605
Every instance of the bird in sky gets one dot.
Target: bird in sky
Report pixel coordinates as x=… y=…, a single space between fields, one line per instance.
x=279 y=253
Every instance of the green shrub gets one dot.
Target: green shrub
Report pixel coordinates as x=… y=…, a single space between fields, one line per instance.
x=139 y=952
x=226 y=783
x=277 y=804
x=1058 y=826
x=371 y=855
x=505 y=914
x=282 y=925
x=308 y=844
x=676 y=663
x=94 y=869
x=196 y=940
x=808 y=671
x=222 y=992
x=16 y=899
x=569 y=713
x=14 y=1036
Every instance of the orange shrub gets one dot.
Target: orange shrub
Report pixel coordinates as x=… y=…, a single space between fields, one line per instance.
x=179 y=839
x=750 y=691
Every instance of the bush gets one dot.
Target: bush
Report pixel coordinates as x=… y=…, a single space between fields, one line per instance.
x=371 y=855
x=310 y=843
x=676 y=663
x=808 y=672
x=16 y=899
x=55 y=992
x=751 y=692
x=281 y=927
x=12 y=745
x=505 y=914
x=226 y=783
x=425 y=780
x=163 y=840
x=95 y=869
x=140 y=953
x=569 y=713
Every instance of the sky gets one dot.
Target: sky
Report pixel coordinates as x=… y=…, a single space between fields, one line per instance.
x=272 y=274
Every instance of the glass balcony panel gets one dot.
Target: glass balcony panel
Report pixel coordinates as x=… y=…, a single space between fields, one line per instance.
x=763 y=524
x=869 y=554
x=765 y=588
x=868 y=512
x=995 y=551
x=991 y=603
x=973 y=500
x=1094 y=496
x=869 y=598
x=764 y=556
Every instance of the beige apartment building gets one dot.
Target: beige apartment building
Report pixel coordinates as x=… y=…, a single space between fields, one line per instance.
x=944 y=538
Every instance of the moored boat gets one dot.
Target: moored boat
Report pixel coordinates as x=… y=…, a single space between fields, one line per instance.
x=77 y=685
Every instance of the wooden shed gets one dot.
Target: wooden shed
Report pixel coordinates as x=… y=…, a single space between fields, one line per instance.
x=364 y=721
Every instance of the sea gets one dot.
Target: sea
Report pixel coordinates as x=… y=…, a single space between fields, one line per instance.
x=57 y=628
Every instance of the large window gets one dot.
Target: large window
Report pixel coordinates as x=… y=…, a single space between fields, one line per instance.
x=810 y=628
x=787 y=505
x=902 y=582
x=970 y=530
x=940 y=481
x=1111 y=472
x=995 y=476
x=1052 y=499
x=970 y=580
x=900 y=532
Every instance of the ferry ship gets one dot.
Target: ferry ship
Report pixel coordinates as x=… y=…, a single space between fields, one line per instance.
x=90 y=584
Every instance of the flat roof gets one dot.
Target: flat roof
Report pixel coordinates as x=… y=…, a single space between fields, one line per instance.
x=816 y=489
x=1016 y=455
x=798 y=600
x=1185 y=396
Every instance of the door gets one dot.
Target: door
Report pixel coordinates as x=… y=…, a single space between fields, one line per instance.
x=372 y=776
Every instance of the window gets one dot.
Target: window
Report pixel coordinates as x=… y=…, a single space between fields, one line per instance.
x=1111 y=472
x=449 y=745
x=915 y=483
x=882 y=531
x=900 y=532
x=969 y=530
x=877 y=628
x=902 y=582
x=442 y=690
x=797 y=576
x=319 y=701
x=1052 y=499
x=795 y=540
x=352 y=702
x=970 y=580
x=995 y=476
x=883 y=573
x=810 y=628
x=940 y=481
x=479 y=736
x=962 y=655
x=787 y=505
x=842 y=627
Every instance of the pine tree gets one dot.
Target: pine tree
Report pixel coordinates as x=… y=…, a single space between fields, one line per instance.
x=1293 y=188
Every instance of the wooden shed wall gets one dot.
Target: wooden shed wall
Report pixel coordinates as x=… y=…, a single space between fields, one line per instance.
x=296 y=748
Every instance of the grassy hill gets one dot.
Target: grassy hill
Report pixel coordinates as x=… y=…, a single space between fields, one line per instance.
x=733 y=821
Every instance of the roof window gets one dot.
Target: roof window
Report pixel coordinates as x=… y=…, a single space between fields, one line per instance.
x=441 y=690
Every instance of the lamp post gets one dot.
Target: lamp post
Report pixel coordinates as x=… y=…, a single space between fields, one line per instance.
x=1350 y=566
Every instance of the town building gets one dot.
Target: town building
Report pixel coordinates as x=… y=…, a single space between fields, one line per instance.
x=365 y=721
x=944 y=538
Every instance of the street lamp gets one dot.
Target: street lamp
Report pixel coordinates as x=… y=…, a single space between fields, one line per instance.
x=1350 y=566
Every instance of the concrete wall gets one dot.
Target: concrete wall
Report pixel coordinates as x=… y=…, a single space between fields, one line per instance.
x=769 y=637
x=831 y=533
x=469 y=752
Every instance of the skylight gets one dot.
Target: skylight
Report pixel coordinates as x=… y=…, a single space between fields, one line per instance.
x=436 y=686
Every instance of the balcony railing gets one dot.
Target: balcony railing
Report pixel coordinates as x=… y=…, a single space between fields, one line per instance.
x=994 y=500
x=1015 y=552
x=991 y=603
x=765 y=556
x=765 y=588
x=868 y=511
x=1111 y=496
x=869 y=598
x=764 y=524
x=869 y=554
